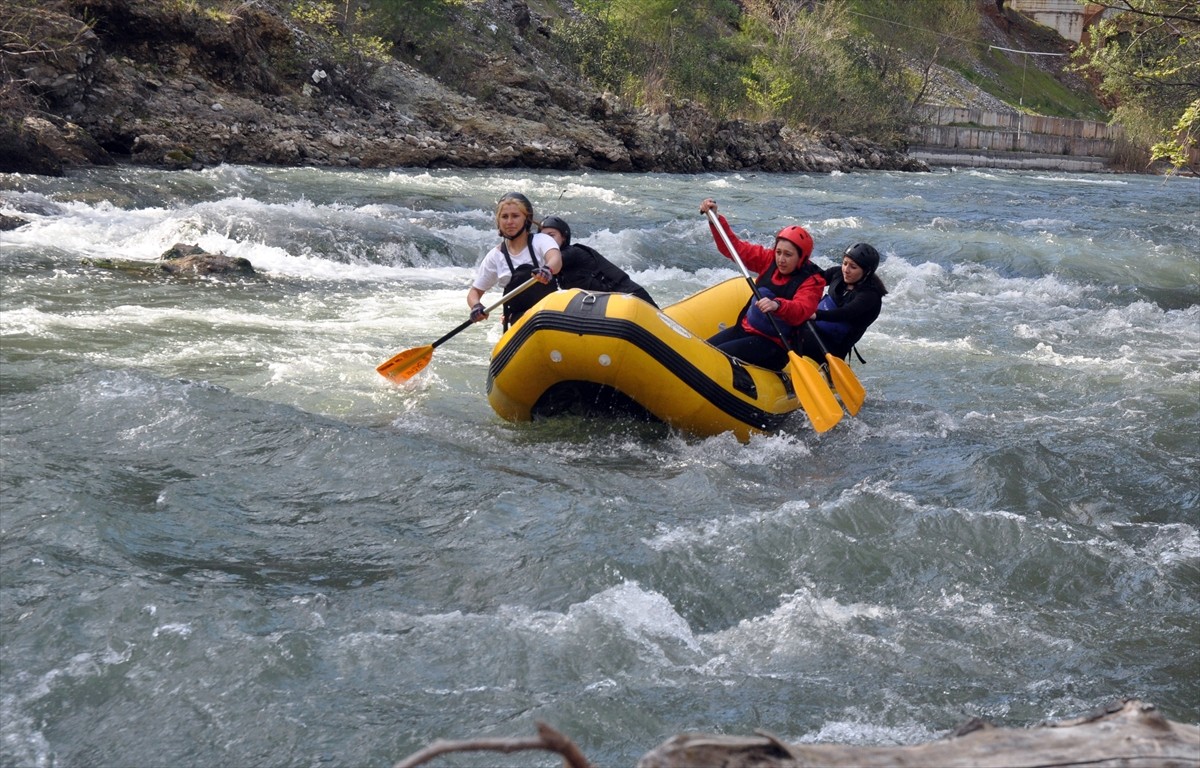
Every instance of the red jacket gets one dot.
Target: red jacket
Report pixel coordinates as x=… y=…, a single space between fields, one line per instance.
x=758 y=258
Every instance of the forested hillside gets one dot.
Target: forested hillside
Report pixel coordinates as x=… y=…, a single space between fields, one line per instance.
x=612 y=84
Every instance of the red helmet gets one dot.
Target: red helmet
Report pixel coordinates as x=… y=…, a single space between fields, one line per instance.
x=799 y=237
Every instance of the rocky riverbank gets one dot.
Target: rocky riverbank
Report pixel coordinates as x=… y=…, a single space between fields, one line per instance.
x=170 y=87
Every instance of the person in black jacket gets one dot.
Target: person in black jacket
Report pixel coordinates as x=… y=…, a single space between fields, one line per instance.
x=584 y=267
x=852 y=302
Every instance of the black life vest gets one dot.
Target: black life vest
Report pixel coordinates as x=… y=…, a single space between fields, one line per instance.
x=586 y=268
x=841 y=336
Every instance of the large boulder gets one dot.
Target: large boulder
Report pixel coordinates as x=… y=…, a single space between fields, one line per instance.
x=11 y=222
x=21 y=152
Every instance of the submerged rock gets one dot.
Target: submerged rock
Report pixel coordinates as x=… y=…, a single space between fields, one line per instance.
x=11 y=222
x=180 y=259
x=183 y=258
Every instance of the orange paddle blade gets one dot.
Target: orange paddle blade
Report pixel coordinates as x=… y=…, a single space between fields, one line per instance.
x=407 y=364
x=815 y=395
x=847 y=384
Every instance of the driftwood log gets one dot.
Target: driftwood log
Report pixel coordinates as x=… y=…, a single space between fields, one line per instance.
x=1130 y=734
x=548 y=740
x=1127 y=734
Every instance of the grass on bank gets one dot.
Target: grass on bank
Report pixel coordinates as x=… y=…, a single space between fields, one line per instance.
x=1022 y=84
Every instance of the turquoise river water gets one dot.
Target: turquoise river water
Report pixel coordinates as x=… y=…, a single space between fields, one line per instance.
x=226 y=541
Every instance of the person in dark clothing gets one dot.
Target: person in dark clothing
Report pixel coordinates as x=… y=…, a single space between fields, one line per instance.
x=790 y=286
x=851 y=303
x=584 y=267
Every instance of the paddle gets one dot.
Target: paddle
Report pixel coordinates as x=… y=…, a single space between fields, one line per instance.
x=410 y=362
x=815 y=395
x=844 y=380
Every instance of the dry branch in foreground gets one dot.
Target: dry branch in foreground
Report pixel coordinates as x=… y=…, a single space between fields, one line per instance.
x=548 y=740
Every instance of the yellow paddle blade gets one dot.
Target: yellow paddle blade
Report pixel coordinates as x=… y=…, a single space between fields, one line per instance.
x=815 y=395
x=407 y=364
x=846 y=383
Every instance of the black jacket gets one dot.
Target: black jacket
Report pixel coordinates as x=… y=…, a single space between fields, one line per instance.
x=847 y=320
x=584 y=267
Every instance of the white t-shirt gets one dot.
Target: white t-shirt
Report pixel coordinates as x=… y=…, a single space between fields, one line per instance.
x=494 y=269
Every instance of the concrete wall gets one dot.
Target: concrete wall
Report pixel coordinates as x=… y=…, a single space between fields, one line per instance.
x=951 y=133
x=987 y=139
x=984 y=130
x=1021 y=161
x=1017 y=121
x=1068 y=17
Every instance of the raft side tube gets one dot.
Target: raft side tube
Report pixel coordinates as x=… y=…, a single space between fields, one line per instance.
x=620 y=342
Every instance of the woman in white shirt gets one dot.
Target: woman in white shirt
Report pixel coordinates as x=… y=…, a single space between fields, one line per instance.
x=522 y=254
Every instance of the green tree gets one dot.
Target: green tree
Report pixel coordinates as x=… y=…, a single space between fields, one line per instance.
x=1146 y=57
x=349 y=31
x=814 y=65
x=416 y=26
x=653 y=50
x=800 y=70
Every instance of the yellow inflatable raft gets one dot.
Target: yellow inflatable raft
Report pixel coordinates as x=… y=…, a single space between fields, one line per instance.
x=595 y=353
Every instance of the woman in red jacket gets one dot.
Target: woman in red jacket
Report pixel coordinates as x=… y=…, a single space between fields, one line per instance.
x=790 y=285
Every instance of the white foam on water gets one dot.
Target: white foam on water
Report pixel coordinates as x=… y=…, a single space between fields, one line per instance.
x=626 y=613
x=1077 y=179
x=786 y=638
x=836 y=223
x=641 y=613
x=24 y=742
x=1041 y=224
x=714 y=531
x=1162 y=546
x=176 y=629
x=862 y=731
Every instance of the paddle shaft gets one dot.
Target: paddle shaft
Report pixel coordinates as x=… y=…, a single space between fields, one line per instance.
x=812 y=328
x=468 y=323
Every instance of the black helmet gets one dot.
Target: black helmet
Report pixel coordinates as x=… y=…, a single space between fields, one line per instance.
x=556 y=222
x=515 y=197
x=865 y=256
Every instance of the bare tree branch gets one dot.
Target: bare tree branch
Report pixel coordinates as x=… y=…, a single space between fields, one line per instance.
x=549 y=740
x=1126 y=6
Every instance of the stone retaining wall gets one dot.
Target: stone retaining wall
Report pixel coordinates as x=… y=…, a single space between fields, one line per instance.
x=1017 y=121
x=990 y=139
x=976 y=130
